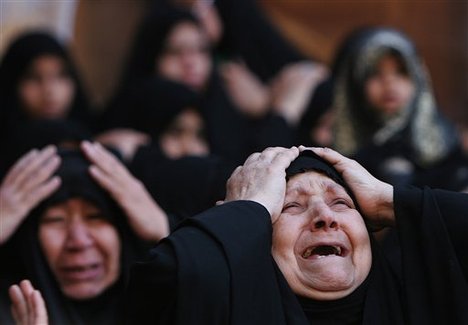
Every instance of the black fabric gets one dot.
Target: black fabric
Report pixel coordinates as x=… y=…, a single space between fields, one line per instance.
x=319 y=104
x=156 y=103
x=40 y=133
x=104 y=309
x=220 y=265
x=182 y=187
x=307 y=161
x=248 y=34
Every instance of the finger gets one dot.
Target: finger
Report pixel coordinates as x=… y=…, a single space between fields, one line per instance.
x=33 y=166
x=270 y=153
x=329 y=155
x=103 y=179
x=220 y=202
x=42 y=174
x=26 y=287
x=253 y=157
x=43 y=191
x=38 y=308
x=19 y=165
x=104 y=159
x=19 y=306
x=284 y=158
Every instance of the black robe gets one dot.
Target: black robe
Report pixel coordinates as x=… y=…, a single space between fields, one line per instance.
x=217 y=268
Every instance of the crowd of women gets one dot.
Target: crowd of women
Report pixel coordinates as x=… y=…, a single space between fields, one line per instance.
x=84 y=195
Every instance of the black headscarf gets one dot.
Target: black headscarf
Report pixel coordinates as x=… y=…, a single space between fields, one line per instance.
x=76 y=183
x=151 y=40
x=38 y=134
x=182 y=187
x=157 y=102
x=17 y=59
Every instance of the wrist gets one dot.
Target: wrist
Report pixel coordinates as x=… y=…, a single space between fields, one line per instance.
x=386 y=210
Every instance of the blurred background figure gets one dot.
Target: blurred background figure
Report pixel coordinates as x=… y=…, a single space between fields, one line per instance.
x=387 y=117
x=38 y=82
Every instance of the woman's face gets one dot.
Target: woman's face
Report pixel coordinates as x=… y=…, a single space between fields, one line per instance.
x=47 y=89
x=81 y=248
x=185 y=136
x=389 y=89
x=320 y=241
x=186 y=58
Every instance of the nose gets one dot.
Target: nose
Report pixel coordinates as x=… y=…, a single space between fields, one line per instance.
x=323 y=218
x=78 y=237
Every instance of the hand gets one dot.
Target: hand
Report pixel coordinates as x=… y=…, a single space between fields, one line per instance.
x=292 y=89
x=126 y=141
x=262 y=179
x=147 y=219
x=209 y=19
x=28 y=306
x=26 y=184
x=374 y=197
x=245 y=89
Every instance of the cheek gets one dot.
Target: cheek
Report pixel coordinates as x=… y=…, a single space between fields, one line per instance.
x=373 y=90
x=108 y=242
x=407 y=88
x=51 y=241
x=169 y=67
x=285 y=235
x=66 y=90
x=29 y=93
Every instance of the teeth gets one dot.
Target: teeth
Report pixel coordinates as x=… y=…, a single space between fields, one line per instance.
x=307 y=252
x=338 y=250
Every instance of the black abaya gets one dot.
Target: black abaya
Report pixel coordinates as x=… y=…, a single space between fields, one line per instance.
x=217 y=268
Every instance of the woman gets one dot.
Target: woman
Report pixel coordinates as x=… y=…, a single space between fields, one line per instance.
x=387 y=116
x=38 y=81
x=176 y=167
x=77 y=245
x=172 y=45
x=291 y=244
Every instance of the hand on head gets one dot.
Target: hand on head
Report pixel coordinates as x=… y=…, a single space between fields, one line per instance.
x=27 y=183
x=262 y=178
x=374 y=197
x=145 y=216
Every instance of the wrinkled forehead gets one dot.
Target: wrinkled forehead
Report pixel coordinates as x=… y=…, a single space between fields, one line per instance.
x=313 y=181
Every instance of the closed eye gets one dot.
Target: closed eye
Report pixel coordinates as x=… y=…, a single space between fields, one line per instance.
x=291 y=207
x=342 y=204
x=53 y=219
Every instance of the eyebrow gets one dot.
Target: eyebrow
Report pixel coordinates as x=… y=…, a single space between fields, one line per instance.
x=329 y=186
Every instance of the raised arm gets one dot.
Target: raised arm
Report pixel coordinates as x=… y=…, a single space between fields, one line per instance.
x=145 y=216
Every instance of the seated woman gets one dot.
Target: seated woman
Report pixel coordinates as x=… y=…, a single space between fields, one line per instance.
x=291 y=244
x=91 y=221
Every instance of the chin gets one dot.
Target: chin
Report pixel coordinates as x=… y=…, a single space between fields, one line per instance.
x=82 y=291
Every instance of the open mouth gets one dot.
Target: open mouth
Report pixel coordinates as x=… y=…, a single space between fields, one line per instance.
x=81 y=272
x=324 y=250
